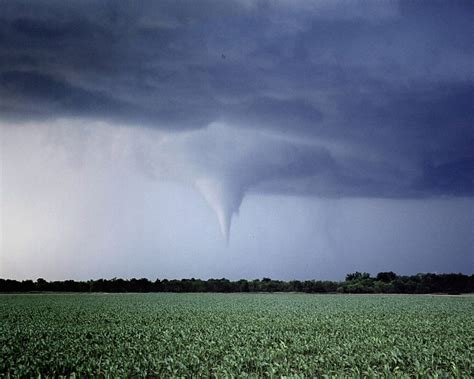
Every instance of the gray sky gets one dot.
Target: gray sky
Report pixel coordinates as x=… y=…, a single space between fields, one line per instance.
x=289 y=139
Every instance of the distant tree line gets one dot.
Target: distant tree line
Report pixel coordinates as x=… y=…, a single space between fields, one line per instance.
x=357 y=282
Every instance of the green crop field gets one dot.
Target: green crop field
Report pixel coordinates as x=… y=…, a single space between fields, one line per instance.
x=162 y=335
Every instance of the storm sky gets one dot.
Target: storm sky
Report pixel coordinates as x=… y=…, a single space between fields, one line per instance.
x=238 y=139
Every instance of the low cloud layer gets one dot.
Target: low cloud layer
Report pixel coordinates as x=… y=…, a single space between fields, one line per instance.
x=328 y=99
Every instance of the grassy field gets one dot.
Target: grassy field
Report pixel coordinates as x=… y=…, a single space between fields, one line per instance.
x=236 y=334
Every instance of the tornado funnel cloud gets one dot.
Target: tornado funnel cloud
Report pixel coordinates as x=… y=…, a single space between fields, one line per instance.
x=223 y=198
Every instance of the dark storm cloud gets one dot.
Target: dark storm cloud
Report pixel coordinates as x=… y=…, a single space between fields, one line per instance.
x=390 y=82
x=41 y=96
